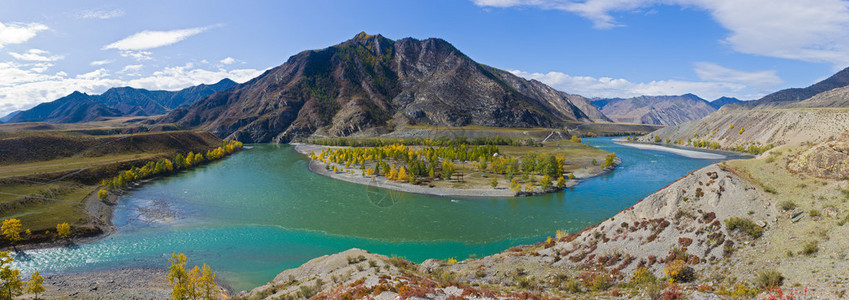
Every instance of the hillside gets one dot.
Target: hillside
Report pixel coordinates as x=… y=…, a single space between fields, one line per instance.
x=116 y=102
x=655 y=110
x=775 y=119
x=371 y=85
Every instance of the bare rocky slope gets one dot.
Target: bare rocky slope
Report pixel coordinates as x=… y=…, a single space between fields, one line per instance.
x=373 y=85
x=656 y=110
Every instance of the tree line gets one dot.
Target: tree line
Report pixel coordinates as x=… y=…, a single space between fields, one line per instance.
x=168 y=165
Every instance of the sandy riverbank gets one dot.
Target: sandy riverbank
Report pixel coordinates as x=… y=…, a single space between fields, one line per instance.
x=381 y=182
x=678 y=151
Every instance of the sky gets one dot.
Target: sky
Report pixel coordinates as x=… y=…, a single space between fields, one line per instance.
x=595 y=48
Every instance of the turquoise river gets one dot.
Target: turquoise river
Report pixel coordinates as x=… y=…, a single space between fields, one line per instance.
x=261 y=211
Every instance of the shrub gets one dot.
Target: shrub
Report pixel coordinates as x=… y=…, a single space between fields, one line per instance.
x=744 y=224
x=810 y=248
x=678 y=271
x=769 y=279
x=642 y=275
x=787 y=205
x=814 y=213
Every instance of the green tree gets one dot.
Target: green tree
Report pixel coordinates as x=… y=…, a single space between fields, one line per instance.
x=10 y=279
x=546 y=182
x=447 y=169
x=561 y=182
x=34 y=285
x=494 y=182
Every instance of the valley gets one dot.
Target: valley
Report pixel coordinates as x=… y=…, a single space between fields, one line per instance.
x=404 y=169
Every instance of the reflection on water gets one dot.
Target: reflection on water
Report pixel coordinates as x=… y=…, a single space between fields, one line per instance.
x=261 y=211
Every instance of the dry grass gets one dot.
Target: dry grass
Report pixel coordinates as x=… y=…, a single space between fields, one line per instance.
x=784 y=236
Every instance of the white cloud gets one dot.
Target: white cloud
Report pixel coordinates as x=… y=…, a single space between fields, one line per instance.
x=807 y=30
x=131 y=69
x=762 y=80
x=100 y=14
x=137 y=55
x=101 y=62
x=228 y=60
x=18 y=33
x=35 y=55
x=174 y=78
x=22 y=88
x=153 y=39
x=607 y=87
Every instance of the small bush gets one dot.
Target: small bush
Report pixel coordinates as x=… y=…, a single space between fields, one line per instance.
x=744 y=224
x=814 y=213
x=769 y=279
x=787 y=205
x=642 y=275
x=810 y=248
x=679 y=271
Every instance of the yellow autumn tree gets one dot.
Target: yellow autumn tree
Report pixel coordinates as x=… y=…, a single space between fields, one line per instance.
x=179 y=278
x=63 y=230
x=206 y=283
x=10 y=279
x=11 y=229
x=34 y=285
x=402 y=174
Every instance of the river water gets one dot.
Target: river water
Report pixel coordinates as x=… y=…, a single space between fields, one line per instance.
x=261 y=211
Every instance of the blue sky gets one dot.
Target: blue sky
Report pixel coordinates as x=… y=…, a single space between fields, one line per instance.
x=596 y=48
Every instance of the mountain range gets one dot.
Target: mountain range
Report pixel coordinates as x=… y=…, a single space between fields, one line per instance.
x=371 y=84
x=116 y=102
x=656 y=110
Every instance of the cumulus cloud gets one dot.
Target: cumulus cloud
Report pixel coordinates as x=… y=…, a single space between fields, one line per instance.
x=228 y=60
x=808 y=30
x=100 y=14
x=606 y=87
x=22 y=87
x=18 y=33
x=35 y=55
x=149 y=39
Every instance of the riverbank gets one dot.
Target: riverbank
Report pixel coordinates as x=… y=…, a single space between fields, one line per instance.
x=381 y=182
x=683 y=152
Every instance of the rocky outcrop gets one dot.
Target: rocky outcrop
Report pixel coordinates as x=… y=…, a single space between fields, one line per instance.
x=371 y=85
x=656 y=110
x=829 y=159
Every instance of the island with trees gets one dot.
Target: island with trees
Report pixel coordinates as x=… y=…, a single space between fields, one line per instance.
x=482 y=166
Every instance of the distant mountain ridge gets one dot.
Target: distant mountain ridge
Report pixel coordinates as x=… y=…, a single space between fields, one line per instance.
x=655 y=110
x=115 y=102
x=370 y=85
x=9 y=116
x=723 y=101
x=792 y=95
